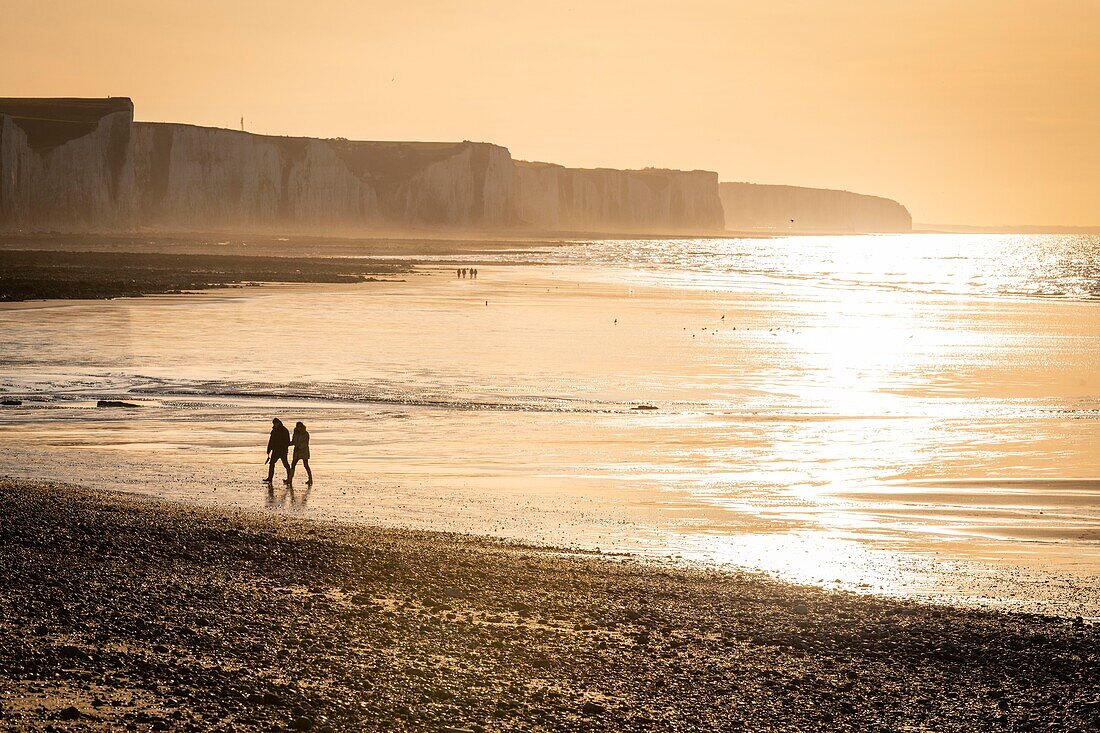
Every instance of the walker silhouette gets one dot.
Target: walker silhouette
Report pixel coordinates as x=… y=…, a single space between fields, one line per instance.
x=278 y=446
x=278 y=443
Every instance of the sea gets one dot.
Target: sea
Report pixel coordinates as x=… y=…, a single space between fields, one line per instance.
x=913 y=415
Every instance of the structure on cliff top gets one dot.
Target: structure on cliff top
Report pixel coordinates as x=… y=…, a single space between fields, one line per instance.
x=68 y=164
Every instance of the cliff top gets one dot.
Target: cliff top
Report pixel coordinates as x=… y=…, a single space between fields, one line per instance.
x=789 y=188
x=662 y=171
x=71 y=109
x=382 y=145
x=48 y=123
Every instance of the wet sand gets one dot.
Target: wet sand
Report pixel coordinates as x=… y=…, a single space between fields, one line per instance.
x=118 y=612
x=890 y=443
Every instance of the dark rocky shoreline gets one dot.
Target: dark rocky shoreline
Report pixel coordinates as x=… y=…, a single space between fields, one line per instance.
x=47 y=274
x=123 y=613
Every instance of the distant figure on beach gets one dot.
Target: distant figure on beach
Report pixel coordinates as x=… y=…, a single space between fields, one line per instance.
x=300 y=441
x=278 y=443
x=458 y=273
x=474 y=271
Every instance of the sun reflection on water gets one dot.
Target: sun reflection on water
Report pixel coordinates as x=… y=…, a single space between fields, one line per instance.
x=798 y=384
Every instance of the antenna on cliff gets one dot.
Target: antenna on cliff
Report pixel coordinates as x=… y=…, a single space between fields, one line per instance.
x=242 y=124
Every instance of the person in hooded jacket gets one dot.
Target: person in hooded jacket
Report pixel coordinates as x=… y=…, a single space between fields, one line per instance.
x=300 y=441
x=278 y=445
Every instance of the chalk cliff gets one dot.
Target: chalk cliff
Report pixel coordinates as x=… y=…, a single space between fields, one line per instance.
x=65 y=163
x=553 y=197
x=188 y=176
x=85 y=164
x=793 y=208
x=451 y=184
x=193 y=177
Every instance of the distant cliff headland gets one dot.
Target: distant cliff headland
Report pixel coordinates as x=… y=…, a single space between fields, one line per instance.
x=793 y=208
x=73 y=164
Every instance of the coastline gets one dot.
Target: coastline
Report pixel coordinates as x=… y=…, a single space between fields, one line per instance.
x=970 y=527
x=149 y=615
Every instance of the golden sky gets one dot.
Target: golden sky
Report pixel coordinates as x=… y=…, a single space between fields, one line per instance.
x=970 y=112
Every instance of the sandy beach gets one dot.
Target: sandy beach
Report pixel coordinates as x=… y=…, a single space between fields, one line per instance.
x=586 y=368
x=894 y=434
x=120 y=612
x=869 y=414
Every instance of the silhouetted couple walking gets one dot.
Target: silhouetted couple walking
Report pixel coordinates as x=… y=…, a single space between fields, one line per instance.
x=278 y=445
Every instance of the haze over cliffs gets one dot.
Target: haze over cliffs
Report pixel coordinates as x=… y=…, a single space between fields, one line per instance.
x=79 y=164
x=751 y=206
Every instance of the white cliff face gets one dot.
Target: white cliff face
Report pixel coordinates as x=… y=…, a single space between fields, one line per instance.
x=693 y=198
x=498 y=188
x=439 y=193
x=607 y=200
x=194 y=177
x=85 y=164
x=434 y=184
x=320 y=190
x=793 y=208
x=51 y=178
x=538 y=197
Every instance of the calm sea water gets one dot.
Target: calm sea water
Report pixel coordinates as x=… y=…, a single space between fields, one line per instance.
x=914 y=414
x=994 y=265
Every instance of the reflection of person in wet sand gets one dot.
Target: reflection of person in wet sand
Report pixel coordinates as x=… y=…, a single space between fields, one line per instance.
x=287 y=497
x=278 y=443
x=300 y=441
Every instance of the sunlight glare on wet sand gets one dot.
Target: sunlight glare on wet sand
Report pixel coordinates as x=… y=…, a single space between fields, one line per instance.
x=790 y=422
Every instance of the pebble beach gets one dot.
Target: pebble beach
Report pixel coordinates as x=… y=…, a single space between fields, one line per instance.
x=125 y=613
